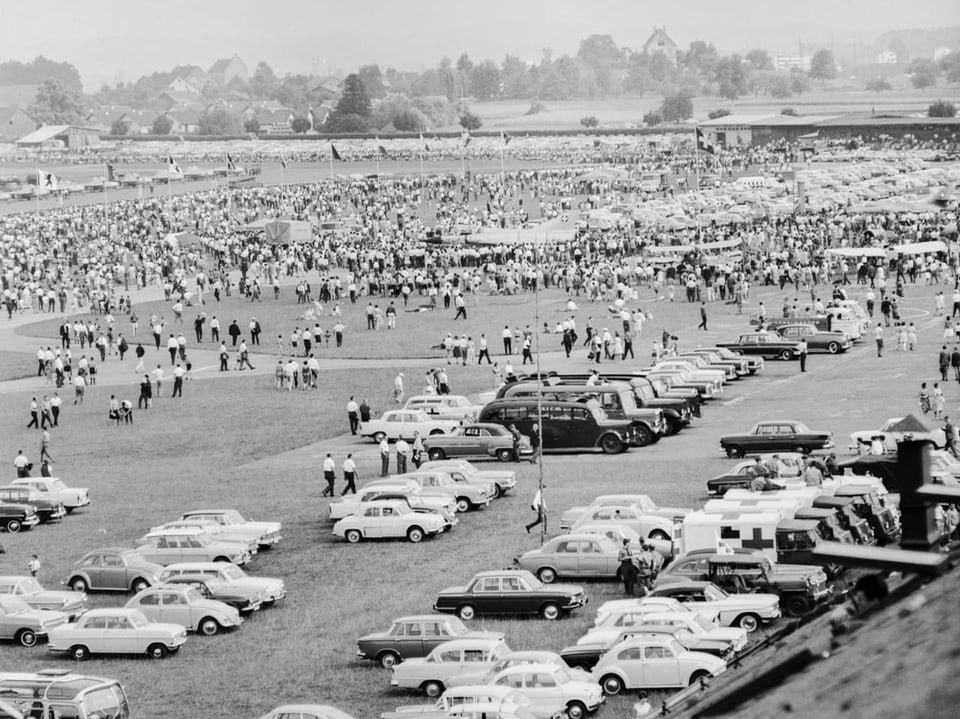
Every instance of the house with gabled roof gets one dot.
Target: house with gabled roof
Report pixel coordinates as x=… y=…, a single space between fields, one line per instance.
x=660 y=42
x=15 y=123
x=225 y=70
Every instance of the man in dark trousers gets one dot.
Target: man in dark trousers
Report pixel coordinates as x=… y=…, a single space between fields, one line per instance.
x=234 y=331
x=943 y=362
x=955 y=362
x=949 y=434
x=802 y=353
x=349 y=475
x=703 y=317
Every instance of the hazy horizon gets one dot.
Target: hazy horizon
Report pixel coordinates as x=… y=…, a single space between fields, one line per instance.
x=110 y=40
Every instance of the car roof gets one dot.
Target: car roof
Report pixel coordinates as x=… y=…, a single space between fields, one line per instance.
x=198 y=565
x=323 y=710
x=423 y=618
x=691 y=584
x=798 y=525
x=532 y=667
x=210 y=511
x=576 y=535
x=109 y=610
x=502 y=573
x=171 y=530
x=468 y=642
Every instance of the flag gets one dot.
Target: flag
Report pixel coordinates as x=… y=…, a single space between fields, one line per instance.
x=172 y=166
x=506 y=137
x=283 y=163
x=333 y=151
x=423 y=142
x=110 y=175
x=47 y=180
x=465 y=138
x=231 y=165
x=383 y=151
x=703 y=145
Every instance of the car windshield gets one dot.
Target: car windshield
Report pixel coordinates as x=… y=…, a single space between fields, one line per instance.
x=454 y=626
x=598 y=414
x=402 y=509
x=233 y=517
x=13 y=605
x=57 y=484
x=677 y=648
x=801 y=428
x=703 y=622
x=561 y=675
x=713 y=593
x=29 y=585
x=193 y=595
x=232 y=572
x=138 y=619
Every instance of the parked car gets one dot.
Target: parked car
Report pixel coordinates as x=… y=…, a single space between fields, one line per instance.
x=403 y=423
x=498 y=481
x=113 y=569
x=243 y=600
x=894 y=431
x=463 y=700
x=754 y=362
x=747 y=611
x=788 y=465
x=766 y=344
x=53 y=488
x=646 y=525
x=553 y=686
x=15 y=517
x=517 y=658
x=509 y=591
x=168 y=546
x=348 y=504
x=415 y=636
x=267 y=534
x=24 y=624
x=776 y=435
x=306 y=711
x=475 y=441
x=438 y=482
x=219 y=532
x=47 y=509
x=73 y=604
x=572 y=555
x=116 y=631
x=429 y=674
x=384 y=519
x=677 y=378
x=445 y=406
x=653 y=662
x=817 y=340
x=696 y=632
x=270 y=589
x=184 y=605
x=640 y=501
x=417 y=504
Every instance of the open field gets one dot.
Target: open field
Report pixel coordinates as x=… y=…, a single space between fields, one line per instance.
x=234 y=441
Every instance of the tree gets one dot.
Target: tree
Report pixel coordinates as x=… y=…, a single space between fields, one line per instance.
x=950 y=64
x=56 y=104
x=469 y=121
x=38 y=71
x=373 y=81
x=877 y=85
x=589 y=121
x=600 y=54
x=264 y=83
x=701 y=57
x=941 y=108
x=677 y=107
x=788 y=111
x=252 y=126
x=923 y=73
x=218 y=121
x=352 y=112
x=653 y=118
x=465 y=71
x=732 y=77
x=485 y=80
x=397 y=112
x=300 y=124
x=798 y=81
x=779 y=86
x=120 y=126
x=823 y=66
x=759 y=59
x=513 y=73
x=162 y=125
x=719 y=112
x=638 y=78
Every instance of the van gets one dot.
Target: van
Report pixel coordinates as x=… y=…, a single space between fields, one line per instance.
x=53 y=693
x=567 y=425
x=616 y=398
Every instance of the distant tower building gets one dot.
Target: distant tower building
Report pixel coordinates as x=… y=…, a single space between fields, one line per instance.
x=659 y=41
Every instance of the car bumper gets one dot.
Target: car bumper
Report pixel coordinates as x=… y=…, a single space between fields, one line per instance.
x=54 y=514
x=268 y=540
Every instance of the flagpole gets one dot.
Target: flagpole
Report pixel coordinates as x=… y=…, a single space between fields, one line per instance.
x=106 y=212
x=331 y=162
x=696 y=170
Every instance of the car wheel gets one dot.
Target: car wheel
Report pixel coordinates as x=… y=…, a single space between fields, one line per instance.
x=504 y=455
x=139 y=584
x=659 y=534
x=14 y=526
x=786 y=355
x=435 y=455
x=415 y=534
x=79 y=653
x=833 y=348
x=69 y=509
x=797 y=606
x=157 y=651
x=697 y=676
x=674 y=426
x=748 y=622
x=435 y=432
x=388 y=660
x=79 y=584
x=378 y=437
x=433 y=689
x=463 y=504
x=612 y=685
x=466 y=611
x=222 y=559
x=353 y=536
x=611 y=444
x=643 y=435
x=26 y=638
x=576 y=710
x=547 y=575
x=208 y=626
x=799 y=450
x=495 y=491
x=734 y=451
x=550 y=611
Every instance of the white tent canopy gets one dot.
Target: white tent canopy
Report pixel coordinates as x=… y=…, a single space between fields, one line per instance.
x=920 y=248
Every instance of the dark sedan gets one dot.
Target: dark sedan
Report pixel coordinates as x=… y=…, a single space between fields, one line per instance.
x=817 y=340
x=765 y=344
x=475 y=441
x=776 y=436
x=510 y=591
x=243 y=600
x=48 y=510
x=414 y=636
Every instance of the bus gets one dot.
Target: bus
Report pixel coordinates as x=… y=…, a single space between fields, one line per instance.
x=60 y=694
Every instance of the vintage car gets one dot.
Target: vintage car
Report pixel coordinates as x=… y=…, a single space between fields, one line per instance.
x=677 y=378
x=747 y=611
x=73 y=604
x=509 y=591
x=754 y=363
x=498 y=481
x=269 y=589
x=788 y=465
x=766 y=344
x=267 y=534
x=53 y=488
x=616 y=533
x=415 y=636
x=439 y=482
x=404 y=423
x=653 y=662
x=894 y=431
x=113 y=569
x=386 y=519
x=168 y=546
x=529 y=656
x=48 y=509
x=306 y=711
x=817 y=340
x=641 y=501
x=429 y=674
x=572 y=555
x=15 y=517
x=609 y=612
x=217 y=531
x=736 y=364
x=184 y=605
x=646 y=525
x=774 y=436
x=24 y=624
x=476 y=441
x=699 y=368
x=116 y=631
x=694 y=630
x=348 y=504
x=243 y=600
x=417 y=504
x=445 y=406
x=553 y=687
x=455 y=701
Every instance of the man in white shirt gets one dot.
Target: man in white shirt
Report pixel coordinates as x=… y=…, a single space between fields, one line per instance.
x=178 y=374
x=349 y=475
x=215 y=329
x=158 y=377
x=403 y=451
x=384 y=457
x=352 y=415
x=330 y=475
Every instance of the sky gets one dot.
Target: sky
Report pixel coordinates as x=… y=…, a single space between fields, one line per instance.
x=110 y=40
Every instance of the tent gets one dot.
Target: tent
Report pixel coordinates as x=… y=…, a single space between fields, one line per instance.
x=910 y=423
x=857 y=252
x=287 y=232
x=920 y=248
x=183 y=240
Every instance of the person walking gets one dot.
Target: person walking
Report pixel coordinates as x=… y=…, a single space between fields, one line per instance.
x=628 y=570
x=950 y=437
x=484 y=350
x=22 y=464
x=924 y=398
x=56 y=402
x=349 y=475
x=516 y=436
x=146 y=391
x=330 y=475
x=403 y=450
x=139 y=352
x=384 y=457
x=507 y=340
x=34 y=565
x=534 y=442
x=353 y=415
x=943 y=362
x=398 y=388
x=416 y=450
x=938 y=400
x=540 y=507
x=802 y=348
x=878 y=337
x=45 y=446
x=34 y=414
x=703 y=317
x=178 y=375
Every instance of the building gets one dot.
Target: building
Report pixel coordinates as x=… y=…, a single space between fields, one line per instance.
x=70 y=137
x=660 y=42
x=14 y=123
x=103 y=118
x=887 y=57
x=225 y=71
x=784 y=63
x=940 y=52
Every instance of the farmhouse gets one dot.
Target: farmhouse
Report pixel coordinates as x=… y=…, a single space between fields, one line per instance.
x=71 y=137
x=659 y=41
x=225 y=70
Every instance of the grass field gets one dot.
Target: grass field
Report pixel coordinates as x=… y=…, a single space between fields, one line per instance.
x=14 y=366
x=234 y=441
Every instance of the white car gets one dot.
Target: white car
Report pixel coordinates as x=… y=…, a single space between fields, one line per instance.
x=653 y=662
x=269 y=588
x=53 y=488
x=646 y=525
x=446 y=406
x=642 y=501
x=215 y=530
x=553 y=685
x=267 y=534
x=348 y=504
x=73 y=604
x=116 y=631
x=462 y=470
x=387 y=519
x=435 y=482
x=184 y=605
x=404 y=423
x=167 y=546
x=696 y=631
x=453 y=701
x=747 y=611
x=306 y=711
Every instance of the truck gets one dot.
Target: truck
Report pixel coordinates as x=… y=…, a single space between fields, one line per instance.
x=849 y=519
x=830 y=527
x=880 y=513
x=781 y=539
